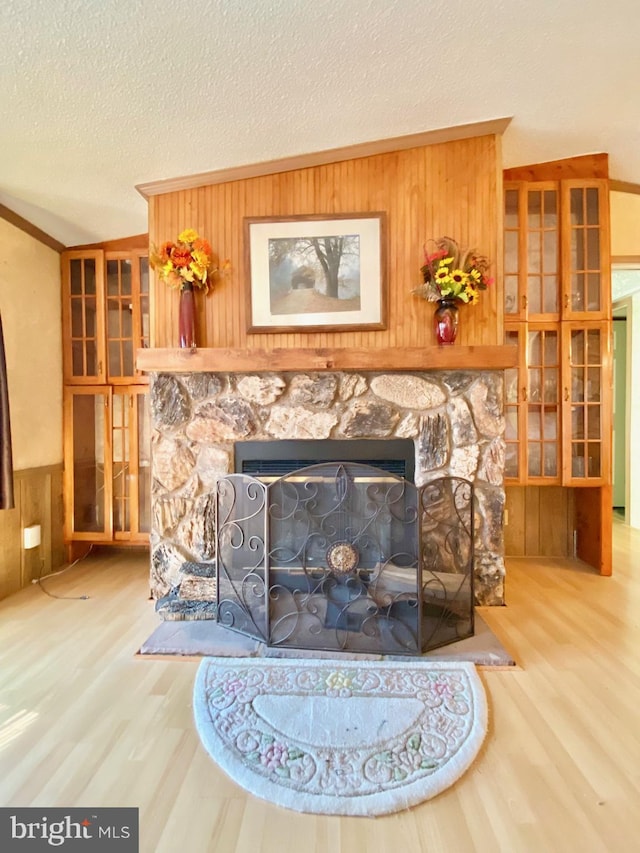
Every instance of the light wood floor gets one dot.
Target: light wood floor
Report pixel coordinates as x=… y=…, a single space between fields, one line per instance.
x=83 y=722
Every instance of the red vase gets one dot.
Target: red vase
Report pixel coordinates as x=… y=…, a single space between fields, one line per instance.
x=446 y=321
x=187 y=317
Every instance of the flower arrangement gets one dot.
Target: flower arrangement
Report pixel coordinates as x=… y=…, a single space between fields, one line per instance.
x=189 y=261
x=453 y=273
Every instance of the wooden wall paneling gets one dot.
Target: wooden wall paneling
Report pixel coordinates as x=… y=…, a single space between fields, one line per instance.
x=11 y=541
x=153 y=295
x=540 y=521
x=410 y=316
x=35 y=508
x=593 y=523
x=514 y=530
x=446 y=189
x=555 y=523
x=57 y=557
x=532 y=520
x=38 y=500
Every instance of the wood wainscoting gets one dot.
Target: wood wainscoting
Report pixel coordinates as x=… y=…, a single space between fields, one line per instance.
x=557 y=521
x=539 y=521
x=38 y=500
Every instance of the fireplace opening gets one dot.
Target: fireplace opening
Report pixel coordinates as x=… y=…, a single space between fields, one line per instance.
x=268 y=460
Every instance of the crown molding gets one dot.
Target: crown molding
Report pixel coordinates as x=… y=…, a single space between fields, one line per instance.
x=29 y=228
x=583 y=166
x=322 y=158
x=123 y=244
x=624 y=187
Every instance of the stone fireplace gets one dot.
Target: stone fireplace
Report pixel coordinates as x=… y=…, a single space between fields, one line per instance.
x=453 y=417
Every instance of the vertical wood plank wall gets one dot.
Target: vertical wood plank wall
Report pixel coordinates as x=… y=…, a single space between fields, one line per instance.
x=451 y=189
x=38 y=500
x=540 y=521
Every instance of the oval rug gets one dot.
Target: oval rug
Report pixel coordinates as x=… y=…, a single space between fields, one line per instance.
x=340 y=737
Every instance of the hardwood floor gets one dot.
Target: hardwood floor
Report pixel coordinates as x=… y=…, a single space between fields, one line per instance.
x=83 y=722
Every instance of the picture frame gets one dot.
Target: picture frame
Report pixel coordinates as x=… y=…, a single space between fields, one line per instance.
x=316 y=272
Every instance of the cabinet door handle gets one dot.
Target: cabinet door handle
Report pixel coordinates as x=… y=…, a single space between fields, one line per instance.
x=566 y=300
x=525 y=301
x=524 y=393
x=100 y=367
x=566 y=395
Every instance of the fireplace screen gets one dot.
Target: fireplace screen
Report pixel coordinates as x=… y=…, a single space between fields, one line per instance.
x=345 y=557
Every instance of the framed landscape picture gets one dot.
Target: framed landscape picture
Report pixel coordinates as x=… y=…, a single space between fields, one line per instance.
x=316 y=273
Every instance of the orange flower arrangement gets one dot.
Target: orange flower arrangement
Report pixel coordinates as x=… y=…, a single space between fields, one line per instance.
x=186 y=263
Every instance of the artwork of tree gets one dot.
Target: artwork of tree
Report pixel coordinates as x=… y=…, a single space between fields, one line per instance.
x=330 y=264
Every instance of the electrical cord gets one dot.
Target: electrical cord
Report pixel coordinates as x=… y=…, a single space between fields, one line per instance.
x=39 y=580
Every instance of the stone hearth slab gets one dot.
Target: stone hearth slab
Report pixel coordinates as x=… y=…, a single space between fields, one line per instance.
x=205 y=638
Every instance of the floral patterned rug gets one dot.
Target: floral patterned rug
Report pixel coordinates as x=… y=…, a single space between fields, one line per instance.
x=341 y=737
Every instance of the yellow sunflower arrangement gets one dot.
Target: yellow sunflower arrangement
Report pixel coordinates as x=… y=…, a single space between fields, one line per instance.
x=450 y=272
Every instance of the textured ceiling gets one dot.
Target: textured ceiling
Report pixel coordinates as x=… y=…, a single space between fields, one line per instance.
x=100 y=95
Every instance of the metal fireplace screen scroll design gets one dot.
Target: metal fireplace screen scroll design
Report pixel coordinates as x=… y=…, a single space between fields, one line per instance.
x=345 y=557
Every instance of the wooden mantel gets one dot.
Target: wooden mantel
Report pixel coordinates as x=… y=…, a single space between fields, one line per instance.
x=221 y=360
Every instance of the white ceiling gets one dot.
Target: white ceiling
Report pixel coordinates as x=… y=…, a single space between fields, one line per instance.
x=98 y=96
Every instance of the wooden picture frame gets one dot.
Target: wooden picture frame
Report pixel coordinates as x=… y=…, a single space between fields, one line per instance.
x=316 y=273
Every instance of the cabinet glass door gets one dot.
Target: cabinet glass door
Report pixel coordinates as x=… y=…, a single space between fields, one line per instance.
x=531 y=251
x=131 y=454
x=127 y=306
x=120 y=300
x=83 y=312
x=543 y=403
x=514 y=408
x=121 y=462
x=587 y=403
x=585 y=250
x=513 y=215
x=88 y=479
x=143 y=435
x=543 y=249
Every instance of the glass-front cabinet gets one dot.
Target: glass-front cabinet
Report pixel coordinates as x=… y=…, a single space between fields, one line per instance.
x=558 y=407
x=107 y=447
x=557 y=306
x=108 y=483
x=105 y=315
x=556 y=256
x=558 y=404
